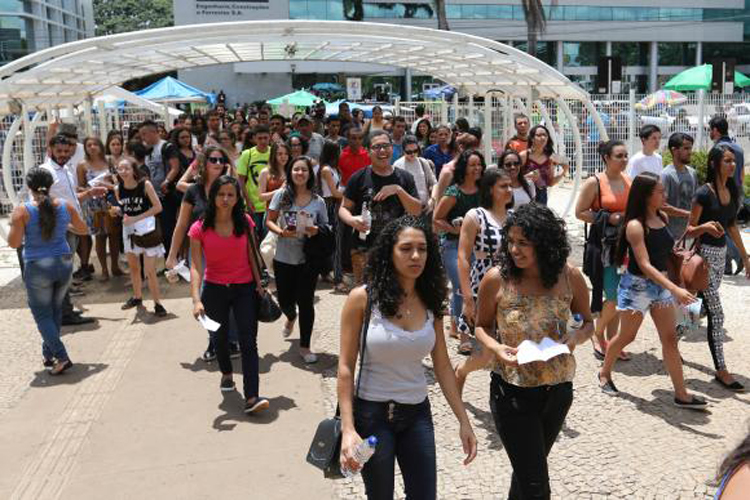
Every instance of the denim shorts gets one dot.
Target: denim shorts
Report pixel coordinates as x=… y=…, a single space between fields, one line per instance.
x=639 y=294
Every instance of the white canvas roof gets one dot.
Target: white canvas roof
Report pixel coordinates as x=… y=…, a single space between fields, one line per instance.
x=68 y=73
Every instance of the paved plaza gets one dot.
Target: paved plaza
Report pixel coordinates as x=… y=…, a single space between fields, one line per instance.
x=140 y=416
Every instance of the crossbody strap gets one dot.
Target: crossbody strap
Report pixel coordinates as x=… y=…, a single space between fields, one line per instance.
x=363 y=341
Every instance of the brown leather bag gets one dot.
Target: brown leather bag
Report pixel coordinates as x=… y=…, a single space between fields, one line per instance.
x=686 y=267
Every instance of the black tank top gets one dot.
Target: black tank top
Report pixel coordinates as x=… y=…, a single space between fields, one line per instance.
x=134 y=201
x=659 y=243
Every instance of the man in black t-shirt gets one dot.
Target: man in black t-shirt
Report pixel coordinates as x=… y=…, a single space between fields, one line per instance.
x=385 y=191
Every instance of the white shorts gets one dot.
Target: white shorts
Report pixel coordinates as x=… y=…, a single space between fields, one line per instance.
x=157 y=251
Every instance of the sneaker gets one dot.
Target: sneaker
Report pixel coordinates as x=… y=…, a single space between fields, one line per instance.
x=287 y=330
x=227 y=385
x=310 y=358
x=159 y=310
x=131 y=303
x=61 y=367
x=209 y=354
x=695 y=403
x=608 y=387
x=48 y=363
x=76 y=320
x=234 y=350
x=82 y=271
x=257 y=404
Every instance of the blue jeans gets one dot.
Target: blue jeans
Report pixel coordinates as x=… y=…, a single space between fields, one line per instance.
x=450 y=262
x=47 y=281
x=405 y=433
x=240 y=300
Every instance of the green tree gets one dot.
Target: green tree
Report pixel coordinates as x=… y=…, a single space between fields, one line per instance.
x=442 y=17
x=121 y=16
x=536 y=22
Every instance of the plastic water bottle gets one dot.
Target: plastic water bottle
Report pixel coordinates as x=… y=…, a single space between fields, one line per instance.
x=362 y=453
x=366 y=220
x=576 y=322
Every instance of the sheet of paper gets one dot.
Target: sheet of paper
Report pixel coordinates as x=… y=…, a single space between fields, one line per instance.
x=145 y=226
x=183 y=271
x=529 y=351
x=99 y=179
x=208 y=323
x=694 y=308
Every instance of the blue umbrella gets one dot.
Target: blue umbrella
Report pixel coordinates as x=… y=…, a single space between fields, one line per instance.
x=328 y=87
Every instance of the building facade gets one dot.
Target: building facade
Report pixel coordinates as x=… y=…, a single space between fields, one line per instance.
x=27 y=26
x=653 y=43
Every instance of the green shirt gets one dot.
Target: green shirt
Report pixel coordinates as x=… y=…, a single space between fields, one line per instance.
x=250 y=164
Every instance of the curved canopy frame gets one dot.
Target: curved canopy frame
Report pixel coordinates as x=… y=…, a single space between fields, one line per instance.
x=68 y=73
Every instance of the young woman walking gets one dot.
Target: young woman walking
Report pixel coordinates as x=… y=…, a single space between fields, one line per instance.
x=295 y=214
x=272 y=179
x=403 y=301
x=231 y=283
x=530 y=295
x=602 y=203
x=645 y=287
x=139 y=205
x=328 y=184
x=41 y=225
x=95 y=170
x=523 y=190
x=481 y=234
x=458 y=199
x=713 y=218
x=541 y=161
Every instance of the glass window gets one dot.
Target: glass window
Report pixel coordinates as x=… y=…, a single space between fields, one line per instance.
x=581 y=53
x=11 y=5
x=316 y=9
x=631 y=53
x=335 y=10
x=500 y=12
x=297 y=9
x=13 y=40
x=453 y=11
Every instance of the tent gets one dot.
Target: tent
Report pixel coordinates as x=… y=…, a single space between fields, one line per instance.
x=699 y=77
x=297 y=98
x=171 y=90
x=446 y=92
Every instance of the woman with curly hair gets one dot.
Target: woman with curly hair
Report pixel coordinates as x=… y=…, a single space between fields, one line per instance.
x=734 y=473
x=423 y=132
x=530 y=296
x=459 y=198
x=401 y=306
x=541 y=161
x=647 y=241
x=713 y=219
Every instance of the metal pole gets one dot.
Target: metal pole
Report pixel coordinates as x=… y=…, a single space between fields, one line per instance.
x=7 y=170
x=701 y=118
x=579 y=152
x=407 y=77
x=443 y=111
x=487 y=135
x=471 y=109
x=87 y=115
x=103 y=128
x=631 y=120
x=455 y=109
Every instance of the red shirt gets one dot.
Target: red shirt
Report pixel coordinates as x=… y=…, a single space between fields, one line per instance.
x=349 y=162
x=227 y=258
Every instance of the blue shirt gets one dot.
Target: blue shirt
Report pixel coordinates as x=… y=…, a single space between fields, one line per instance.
x=438 y=157
x=398 y=152
x=34 y=246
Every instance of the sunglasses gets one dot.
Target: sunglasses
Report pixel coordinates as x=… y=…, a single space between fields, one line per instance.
x=217 y=161
x=620 y=156
x=381 y=147
x=411 y=151
x=512 y=164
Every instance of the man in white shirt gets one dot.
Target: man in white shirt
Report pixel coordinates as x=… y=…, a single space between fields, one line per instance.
x=647 y=160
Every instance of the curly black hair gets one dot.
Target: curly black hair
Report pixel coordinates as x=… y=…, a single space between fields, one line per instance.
x=546 y=232
x=459 y=172
x=735 y=459
x=380 y=273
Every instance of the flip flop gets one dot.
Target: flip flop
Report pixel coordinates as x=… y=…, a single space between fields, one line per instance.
x=598 y=354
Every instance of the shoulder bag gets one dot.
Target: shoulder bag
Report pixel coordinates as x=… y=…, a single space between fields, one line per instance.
x=268 y=310
x=686 y=267
x=326 y=444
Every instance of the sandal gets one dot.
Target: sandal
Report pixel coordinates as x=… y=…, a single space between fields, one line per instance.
x=465 y=348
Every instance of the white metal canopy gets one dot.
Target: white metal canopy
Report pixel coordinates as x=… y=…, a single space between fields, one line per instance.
x=67 y=74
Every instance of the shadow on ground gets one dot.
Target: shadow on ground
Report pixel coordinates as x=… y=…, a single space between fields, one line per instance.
x=233 y=404
x=77 y=373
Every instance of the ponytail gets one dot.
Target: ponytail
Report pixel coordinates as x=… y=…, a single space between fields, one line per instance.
x=39 y=182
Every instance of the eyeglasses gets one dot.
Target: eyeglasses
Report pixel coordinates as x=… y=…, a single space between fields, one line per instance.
x=411 y=151
x=381 y=147
x=217 y=161
x=511 y=164
x=620 y=156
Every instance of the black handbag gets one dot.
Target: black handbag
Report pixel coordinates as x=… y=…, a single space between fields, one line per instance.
x=326 y=444
x=268 y=310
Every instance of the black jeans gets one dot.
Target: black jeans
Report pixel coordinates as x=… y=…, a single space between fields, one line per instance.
x=405 y=433
x=528 y=420
x=296 y=287
x=240 y=299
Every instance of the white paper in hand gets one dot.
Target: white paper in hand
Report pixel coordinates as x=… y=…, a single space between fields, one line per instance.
x=183 y=271
x=694 y=307
x=529 y=351
x=208 y=323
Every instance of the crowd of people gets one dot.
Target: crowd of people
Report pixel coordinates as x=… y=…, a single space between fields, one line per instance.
x=414 y=224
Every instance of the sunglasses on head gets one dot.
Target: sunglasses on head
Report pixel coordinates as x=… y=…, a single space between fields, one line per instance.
x=217 y=161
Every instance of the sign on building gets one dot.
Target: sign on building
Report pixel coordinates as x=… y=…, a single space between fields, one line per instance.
x=354 y=89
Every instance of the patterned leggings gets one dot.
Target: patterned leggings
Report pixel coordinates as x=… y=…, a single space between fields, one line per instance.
x=715 y=257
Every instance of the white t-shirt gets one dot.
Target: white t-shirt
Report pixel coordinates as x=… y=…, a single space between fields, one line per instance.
x=424 y=178
x=521 y=197
x=640 y=163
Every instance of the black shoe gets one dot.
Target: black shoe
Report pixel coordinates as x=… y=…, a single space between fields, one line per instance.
x=159 y=310
x=607 y=387
x=256 y=404
x=131 y=303
x=82 y=271
x=695 y=403
x=234 y=350
x=734 y=386
x=76 y=319
x=227 y=385
x=48 y=363
x=740 y=267
x=209 y=354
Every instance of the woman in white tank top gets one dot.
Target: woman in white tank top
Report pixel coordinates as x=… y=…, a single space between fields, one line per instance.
x=402 y=303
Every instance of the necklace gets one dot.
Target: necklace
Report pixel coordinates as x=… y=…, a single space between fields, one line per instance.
x=405 y=307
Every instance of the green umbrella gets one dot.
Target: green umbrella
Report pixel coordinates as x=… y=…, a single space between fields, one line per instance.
x=298 y=98
x=700 y=77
